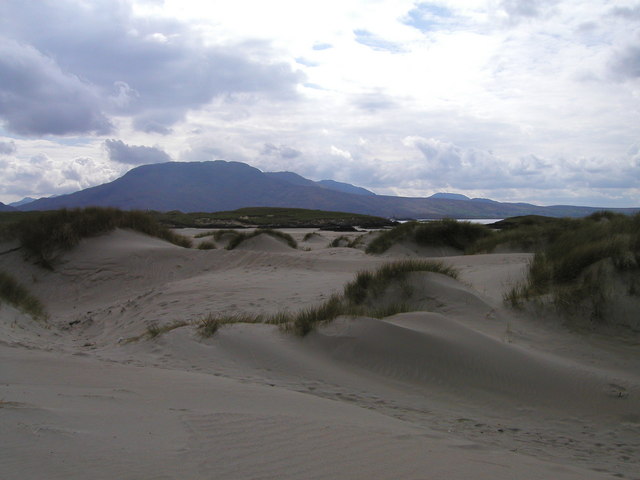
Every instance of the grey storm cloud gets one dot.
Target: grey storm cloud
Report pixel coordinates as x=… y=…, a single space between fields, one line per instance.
x=134 y=154
x=626 y=63
x=526 y=8
x=631 y=13
x=37 y=97
x=281 y=151
x=7 y=148
x=152 y=70
x=374 y=102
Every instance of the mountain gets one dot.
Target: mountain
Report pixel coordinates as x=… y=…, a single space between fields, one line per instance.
x=344 y=187
x=296 y=179
x=205 y=186
x=292 y=178
x=24 y=201
x=6 y=208
x=450 y=196
x=220 y=185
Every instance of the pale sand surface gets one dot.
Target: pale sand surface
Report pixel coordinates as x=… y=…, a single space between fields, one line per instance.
x=462 y=389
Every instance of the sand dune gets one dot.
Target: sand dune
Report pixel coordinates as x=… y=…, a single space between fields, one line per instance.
x=461 y=388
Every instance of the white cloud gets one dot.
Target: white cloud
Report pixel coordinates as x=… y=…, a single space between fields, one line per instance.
x=510 y=99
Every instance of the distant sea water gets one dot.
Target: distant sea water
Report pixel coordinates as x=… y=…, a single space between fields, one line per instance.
x=483 y=221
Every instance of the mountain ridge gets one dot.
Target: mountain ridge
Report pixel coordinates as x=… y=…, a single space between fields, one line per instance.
x=220 y=185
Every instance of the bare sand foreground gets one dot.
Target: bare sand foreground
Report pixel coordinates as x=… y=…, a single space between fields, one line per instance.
x=465 y=390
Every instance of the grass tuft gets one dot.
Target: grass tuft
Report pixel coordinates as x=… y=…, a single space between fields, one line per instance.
x=207 y=245
x=238 y=237
x=154 y=330
x=14 y=293
x=209 y=325
x=344 y=241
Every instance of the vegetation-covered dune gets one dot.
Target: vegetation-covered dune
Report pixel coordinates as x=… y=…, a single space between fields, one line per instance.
x=43 y=235
x=447 y=233
x=588 y=269
x=272 y=217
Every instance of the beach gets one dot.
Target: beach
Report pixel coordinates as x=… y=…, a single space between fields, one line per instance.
x=462 y=388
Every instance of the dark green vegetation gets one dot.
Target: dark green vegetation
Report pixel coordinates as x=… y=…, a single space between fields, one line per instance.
x=526 y=234
x=270 y=217
x=364 y=296
x=17 y=295
x=43 y=235
x=206 y=245
x=440 y=233
x=586 y=268
x=344 y=241
x=235 y=238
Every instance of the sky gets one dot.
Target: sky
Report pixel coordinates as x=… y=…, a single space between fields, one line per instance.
x=515 y=100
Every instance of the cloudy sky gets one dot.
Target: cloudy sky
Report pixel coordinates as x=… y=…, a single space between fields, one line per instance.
x=515 y=100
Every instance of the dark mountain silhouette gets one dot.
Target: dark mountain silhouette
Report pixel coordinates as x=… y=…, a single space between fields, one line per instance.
x=22 y=202
x=6 y=208
x=296 y=179
x=219 y=185
x=450 y=196
x=344 y=187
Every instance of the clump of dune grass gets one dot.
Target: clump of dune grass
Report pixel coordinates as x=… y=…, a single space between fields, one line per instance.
x=359 y=296
x=154 y=329
x=207 y=245
x=345 y=241
x=308 y=236
x=208 y=233
x=372 y=284
x=45 y=235
x=576 y=269
x=238 y=237
x=439 y=233
x=17 y=295
x=211 y=323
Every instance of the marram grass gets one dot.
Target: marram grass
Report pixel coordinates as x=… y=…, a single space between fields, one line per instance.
x=17 y=295
x=575 y=269
x=43 y=236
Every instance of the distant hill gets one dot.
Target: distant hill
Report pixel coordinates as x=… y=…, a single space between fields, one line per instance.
x=219 y=185
x=6 y=208
x=344 y=187
x=24 y=201
x=450 y=196
x=296 y=179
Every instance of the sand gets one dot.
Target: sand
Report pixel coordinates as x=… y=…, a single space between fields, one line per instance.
x=463 y=388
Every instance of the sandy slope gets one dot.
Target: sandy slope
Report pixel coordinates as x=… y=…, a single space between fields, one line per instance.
x=463 y=389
